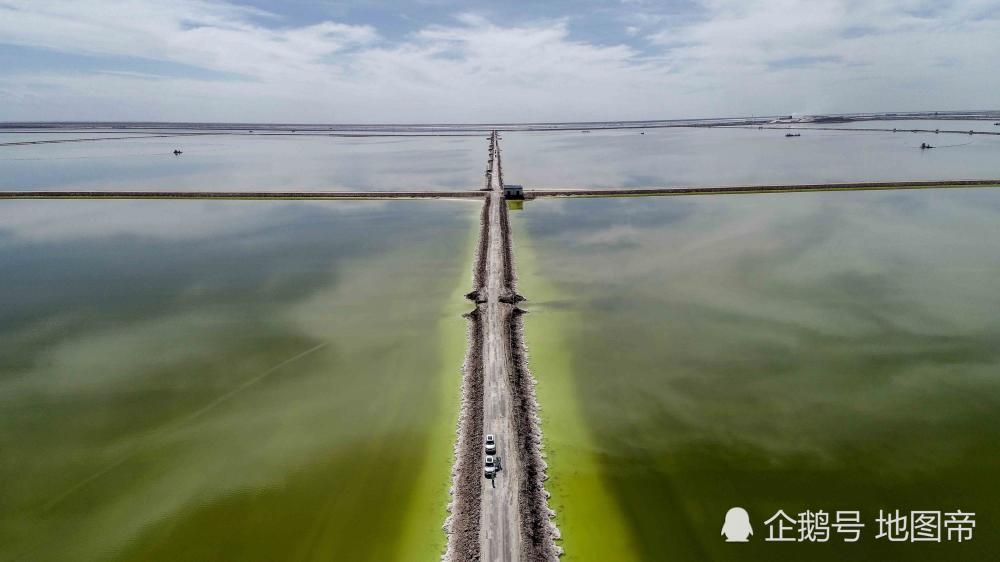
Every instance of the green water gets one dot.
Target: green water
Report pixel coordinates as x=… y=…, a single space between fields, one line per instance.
x=828 y=351
x=229 y=381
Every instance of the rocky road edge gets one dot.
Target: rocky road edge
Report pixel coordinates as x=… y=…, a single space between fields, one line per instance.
x=462 y=524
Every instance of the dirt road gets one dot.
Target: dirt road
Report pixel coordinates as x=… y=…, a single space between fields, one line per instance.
x=500 y=522
x=505 y=519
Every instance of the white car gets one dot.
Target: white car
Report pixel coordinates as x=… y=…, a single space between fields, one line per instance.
x=491 y=444
x=490 y=471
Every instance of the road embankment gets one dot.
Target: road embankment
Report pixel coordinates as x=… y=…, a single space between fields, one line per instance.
x=465 y=509
x=538 y=529
x=266 y=194
x=478 y=293
x=744 y=189
x=480 y=194
x=463 y=523
x=509 y=291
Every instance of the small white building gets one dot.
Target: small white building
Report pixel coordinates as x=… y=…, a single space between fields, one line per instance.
x=511 y=191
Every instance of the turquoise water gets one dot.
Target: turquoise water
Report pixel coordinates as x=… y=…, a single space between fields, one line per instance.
x=826 y=351
x=210 y=380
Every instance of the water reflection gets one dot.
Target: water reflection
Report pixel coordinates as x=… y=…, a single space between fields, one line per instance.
x=805 y=351
x=700 y=156
x=609 y=158
x=245 y=162
x=246 y=388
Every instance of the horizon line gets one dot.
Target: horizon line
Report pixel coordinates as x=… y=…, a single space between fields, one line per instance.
x=972 y=113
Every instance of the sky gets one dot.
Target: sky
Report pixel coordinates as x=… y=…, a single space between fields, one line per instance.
x=444 y=61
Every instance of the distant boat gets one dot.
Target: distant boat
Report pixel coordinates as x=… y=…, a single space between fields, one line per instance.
x=793 y=134
x=584 y=131
x=177 y=152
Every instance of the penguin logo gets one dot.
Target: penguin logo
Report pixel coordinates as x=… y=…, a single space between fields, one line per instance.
x=737 y=526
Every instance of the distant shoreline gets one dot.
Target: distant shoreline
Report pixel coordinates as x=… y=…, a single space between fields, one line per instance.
x=485 y=128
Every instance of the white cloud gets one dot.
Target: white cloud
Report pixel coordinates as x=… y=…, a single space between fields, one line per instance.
x=738 y=57
x=213 y=35
x=844 y=54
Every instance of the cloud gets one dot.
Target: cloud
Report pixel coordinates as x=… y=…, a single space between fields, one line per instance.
x=328 y=71
x=722 y=57
x=850 y=55
x=212 y=35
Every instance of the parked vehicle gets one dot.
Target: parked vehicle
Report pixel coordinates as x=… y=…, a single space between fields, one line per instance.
x=490 y=471
x=491 y=444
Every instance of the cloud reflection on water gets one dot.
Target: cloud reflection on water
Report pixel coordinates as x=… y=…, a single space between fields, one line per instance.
x=158 y=401
x=832 y=350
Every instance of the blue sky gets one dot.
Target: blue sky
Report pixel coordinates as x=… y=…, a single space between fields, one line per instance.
x=480 y=61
